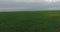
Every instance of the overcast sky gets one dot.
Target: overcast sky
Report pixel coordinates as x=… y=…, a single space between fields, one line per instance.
x=9 y=5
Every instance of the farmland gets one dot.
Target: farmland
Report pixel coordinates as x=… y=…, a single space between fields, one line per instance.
x=30 y=21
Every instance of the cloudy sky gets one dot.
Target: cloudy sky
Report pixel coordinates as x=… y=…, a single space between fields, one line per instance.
x=12 y=5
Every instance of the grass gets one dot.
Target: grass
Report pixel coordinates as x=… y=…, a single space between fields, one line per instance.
x=38 y=21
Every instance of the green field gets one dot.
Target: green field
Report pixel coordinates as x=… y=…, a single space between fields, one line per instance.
x=30 y=21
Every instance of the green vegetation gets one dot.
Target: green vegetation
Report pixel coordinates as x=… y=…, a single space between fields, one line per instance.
x=30 y=21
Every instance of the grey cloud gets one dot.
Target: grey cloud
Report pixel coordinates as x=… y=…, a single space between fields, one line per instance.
x=43 y=5
x=9 y=5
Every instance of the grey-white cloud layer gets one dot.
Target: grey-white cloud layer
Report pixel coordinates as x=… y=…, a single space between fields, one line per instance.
x=9 y=5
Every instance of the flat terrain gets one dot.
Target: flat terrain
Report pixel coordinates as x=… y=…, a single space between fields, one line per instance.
x=33 y=21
